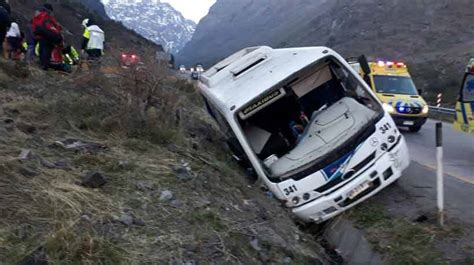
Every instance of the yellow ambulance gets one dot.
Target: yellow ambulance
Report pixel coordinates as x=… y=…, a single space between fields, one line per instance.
x=394 y=86
x=465 y=105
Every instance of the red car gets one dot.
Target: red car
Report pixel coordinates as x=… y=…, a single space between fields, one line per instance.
x=129 y=60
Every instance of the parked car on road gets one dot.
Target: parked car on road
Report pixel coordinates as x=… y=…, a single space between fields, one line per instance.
x=129 y=60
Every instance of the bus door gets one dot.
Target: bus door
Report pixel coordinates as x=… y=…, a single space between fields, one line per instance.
x=465 y=105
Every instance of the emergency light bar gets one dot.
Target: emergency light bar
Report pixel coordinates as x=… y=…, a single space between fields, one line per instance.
x=390 y=64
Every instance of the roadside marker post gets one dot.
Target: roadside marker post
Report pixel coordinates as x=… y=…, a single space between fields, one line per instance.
x=439 y=100
x=439 y=172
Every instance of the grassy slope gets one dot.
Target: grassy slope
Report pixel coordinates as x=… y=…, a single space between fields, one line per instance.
x=214 y=216
x=151 y=123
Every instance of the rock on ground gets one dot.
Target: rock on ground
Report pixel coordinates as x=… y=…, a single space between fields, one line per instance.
x=94 y=180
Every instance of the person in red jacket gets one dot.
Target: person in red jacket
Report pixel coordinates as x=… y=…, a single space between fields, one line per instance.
x=48 y=33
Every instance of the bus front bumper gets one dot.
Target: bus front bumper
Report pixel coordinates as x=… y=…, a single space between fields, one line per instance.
x=409 y=121
x=386 y=170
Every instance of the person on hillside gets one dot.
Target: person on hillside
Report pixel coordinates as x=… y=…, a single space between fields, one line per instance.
x=48 y=33
x=92 y=40
x=5 y=22
x=31 y=42
x=57 y=60
x=14 y=41
x=24 y=45
x=70 y=55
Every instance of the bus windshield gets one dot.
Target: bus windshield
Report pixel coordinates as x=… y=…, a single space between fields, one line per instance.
x=468 y=89
x=394 y=85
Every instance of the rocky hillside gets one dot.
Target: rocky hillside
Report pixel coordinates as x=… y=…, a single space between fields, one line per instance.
x=432 y=37
x=158 y=22
x=115 y=166
x=94 y=6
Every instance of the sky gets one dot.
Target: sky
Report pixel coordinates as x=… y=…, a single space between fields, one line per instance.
x=191 y=9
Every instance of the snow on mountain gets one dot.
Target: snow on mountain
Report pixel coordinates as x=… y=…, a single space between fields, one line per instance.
x=154 y=20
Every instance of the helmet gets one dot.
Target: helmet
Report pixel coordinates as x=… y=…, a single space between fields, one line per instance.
x=85 y=22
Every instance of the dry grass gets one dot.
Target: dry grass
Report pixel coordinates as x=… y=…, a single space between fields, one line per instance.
x=400 y=240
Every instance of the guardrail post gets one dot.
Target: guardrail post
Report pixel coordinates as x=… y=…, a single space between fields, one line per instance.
x=439 y=172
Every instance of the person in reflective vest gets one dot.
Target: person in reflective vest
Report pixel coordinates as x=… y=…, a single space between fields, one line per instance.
x=70 y=55
x=92 y=40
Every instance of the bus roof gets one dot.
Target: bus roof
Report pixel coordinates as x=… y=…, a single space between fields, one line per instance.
x=251 y=72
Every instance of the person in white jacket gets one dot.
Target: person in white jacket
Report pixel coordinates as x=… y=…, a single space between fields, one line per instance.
x=92 y=40
x=14 y=40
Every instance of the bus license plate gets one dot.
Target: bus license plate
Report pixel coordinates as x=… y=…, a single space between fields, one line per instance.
x=358 y=190
x=409 y=123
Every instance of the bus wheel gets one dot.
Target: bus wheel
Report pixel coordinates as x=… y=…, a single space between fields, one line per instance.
x=414 y=128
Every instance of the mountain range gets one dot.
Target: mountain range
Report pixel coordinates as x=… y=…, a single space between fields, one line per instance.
x=154 y=20
x=434 y=37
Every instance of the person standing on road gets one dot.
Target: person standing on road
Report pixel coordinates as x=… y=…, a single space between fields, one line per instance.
x=5 y=22
x=92 y=40
x=48 y=33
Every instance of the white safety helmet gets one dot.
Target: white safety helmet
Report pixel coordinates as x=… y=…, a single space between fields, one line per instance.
x=85 y=22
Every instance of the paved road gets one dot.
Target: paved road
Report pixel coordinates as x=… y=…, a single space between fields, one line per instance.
x=458 y=151
x=419 y=180
x=414 y=195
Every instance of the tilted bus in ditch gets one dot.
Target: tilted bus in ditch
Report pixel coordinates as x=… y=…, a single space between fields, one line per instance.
x=308 y=125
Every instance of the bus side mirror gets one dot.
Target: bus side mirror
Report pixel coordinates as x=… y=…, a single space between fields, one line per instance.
x=364 y=64
x=420 y=91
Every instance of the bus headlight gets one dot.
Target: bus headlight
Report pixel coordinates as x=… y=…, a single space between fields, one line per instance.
x=295 y=200
x=425 y=109
x=388 y=108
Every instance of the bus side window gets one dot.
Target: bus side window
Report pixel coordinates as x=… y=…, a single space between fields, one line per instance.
x=209 y=109
x=231 y=138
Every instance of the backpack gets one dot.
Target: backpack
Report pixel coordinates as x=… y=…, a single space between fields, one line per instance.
x=45 y=27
